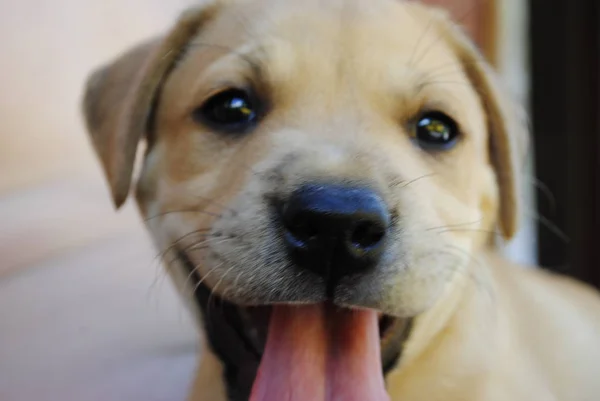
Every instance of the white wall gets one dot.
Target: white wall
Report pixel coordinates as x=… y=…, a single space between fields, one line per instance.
x=514 y=67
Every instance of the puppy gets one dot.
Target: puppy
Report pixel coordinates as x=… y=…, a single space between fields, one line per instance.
x=328 y=182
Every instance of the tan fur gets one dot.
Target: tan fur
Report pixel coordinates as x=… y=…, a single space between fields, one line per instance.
x=344 y=79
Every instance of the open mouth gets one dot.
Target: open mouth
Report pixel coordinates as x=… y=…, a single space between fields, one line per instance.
x=243 y=338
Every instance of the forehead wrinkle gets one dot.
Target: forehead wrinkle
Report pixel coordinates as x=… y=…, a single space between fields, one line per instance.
x=427 y=86
x=248 y=56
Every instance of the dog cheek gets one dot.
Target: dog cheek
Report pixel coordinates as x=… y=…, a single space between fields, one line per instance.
x=418 y=285
x=426 y=263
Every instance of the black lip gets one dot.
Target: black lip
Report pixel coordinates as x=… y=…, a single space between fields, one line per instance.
x=225 y=329
x=214 y=307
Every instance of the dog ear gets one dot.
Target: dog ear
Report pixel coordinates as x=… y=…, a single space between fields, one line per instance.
x=119 y=98
x=507 y=125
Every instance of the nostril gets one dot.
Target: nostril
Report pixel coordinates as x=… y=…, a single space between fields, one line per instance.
x=301 y=228
x=367 y=235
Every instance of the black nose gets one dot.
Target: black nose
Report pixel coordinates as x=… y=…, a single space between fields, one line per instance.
x=335 y=230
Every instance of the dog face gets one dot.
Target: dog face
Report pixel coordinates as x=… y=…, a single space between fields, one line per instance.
x=347 y=151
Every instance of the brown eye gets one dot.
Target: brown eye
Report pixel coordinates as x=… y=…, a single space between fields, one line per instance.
x=233 y=110
x=436 y=131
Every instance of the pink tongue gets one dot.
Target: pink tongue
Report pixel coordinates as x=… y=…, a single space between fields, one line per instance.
x=320 y=353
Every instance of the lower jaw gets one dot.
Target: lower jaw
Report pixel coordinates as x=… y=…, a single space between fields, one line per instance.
x=237 y=335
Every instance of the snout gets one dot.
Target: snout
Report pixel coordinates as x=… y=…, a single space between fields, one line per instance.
x=335 y=230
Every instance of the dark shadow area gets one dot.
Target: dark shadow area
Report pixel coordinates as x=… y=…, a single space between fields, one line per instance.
x=565 y=112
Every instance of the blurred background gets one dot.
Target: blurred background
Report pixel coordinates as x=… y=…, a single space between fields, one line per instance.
x=86 y=312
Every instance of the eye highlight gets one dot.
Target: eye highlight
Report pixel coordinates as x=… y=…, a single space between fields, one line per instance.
x=232 y=110
x=436 y=131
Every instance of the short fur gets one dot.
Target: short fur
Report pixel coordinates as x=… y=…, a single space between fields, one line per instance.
x=344 y=80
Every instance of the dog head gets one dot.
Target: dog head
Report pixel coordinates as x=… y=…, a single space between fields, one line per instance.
x=345 y=152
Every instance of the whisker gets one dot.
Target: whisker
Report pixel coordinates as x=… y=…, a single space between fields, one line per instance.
x=560 y=234
x=543 y=220
x=173 y=244
x=214 y=289
x=455 y=225
x=182 y=211
x=176 y=253
x=199 y=283
x=235 y=284
x=207 y=241
x=546 y=191
x=474 y=230
x=553 y=228
x=159 y=278
x=417 y=179
x=204 y=244
x=456 y=251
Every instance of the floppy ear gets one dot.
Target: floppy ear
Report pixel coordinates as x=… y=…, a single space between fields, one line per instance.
x=119 y=98
x=507 y=128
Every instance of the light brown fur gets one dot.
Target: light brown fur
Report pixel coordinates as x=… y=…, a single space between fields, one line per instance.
x=344 y=80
